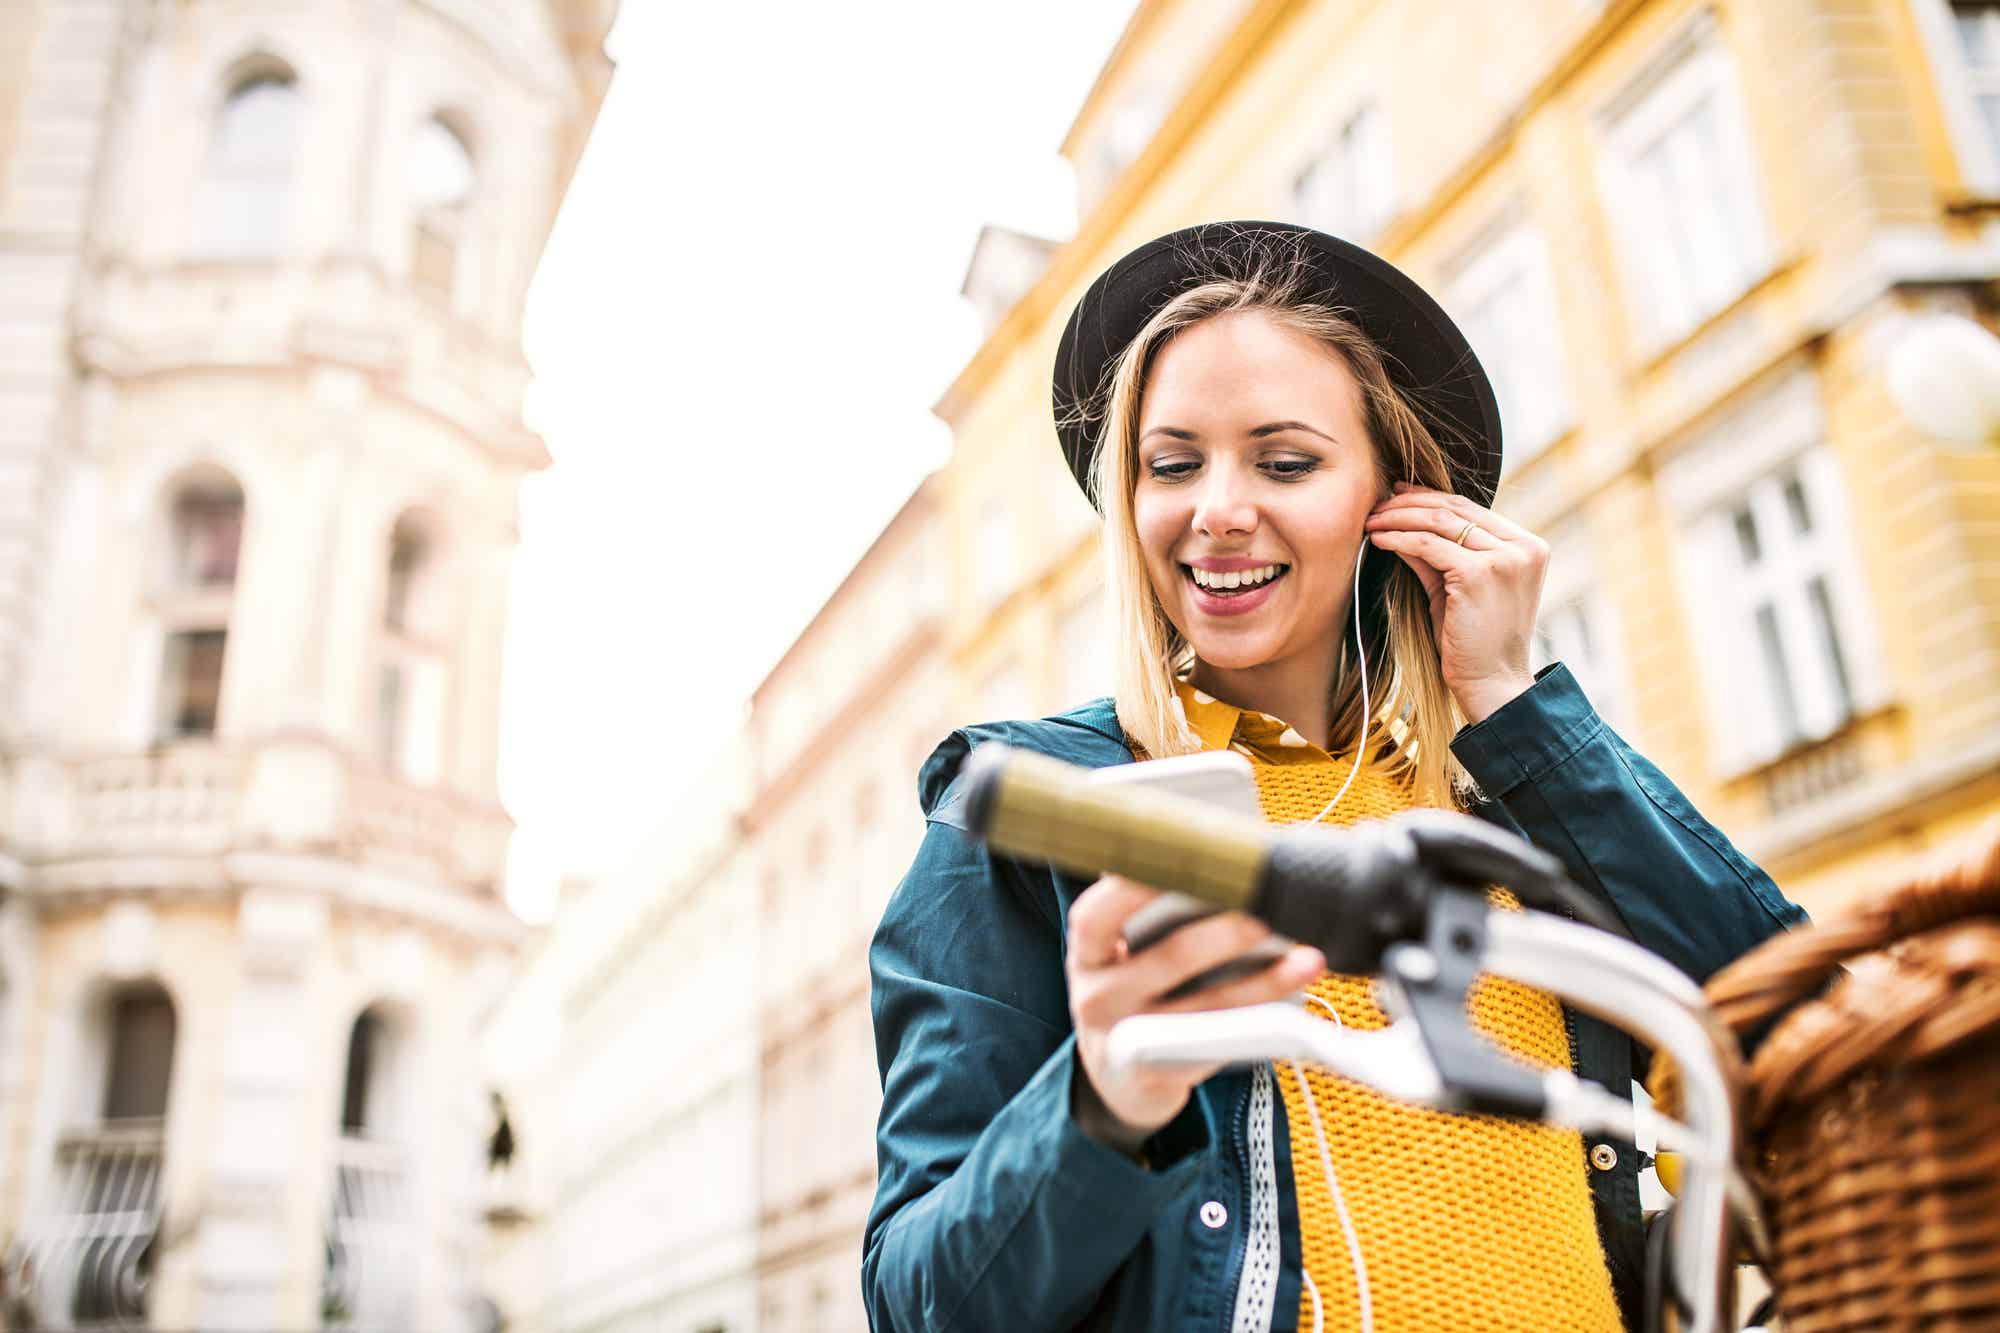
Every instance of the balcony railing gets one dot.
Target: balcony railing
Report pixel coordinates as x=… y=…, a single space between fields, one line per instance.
x=204 y=798
x=89 y=1261
x=134 y=318
x=1814 y=772
x=369 y=1239
x=179 y=800
x=402 y=820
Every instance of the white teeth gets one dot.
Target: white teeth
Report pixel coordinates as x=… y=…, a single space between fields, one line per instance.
x=1237 y=579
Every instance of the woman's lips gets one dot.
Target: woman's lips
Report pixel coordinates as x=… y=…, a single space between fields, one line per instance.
x=1231 y=604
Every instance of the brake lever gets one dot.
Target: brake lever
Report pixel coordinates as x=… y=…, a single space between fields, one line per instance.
x=1469 y=850
x=1430 y=983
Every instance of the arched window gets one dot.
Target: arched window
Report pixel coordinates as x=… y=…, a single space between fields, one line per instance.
x=364 y=1043
x=367 y=1278
x=243 y=206
x=410 y=698
x=97 y=1254
x=205 y=538
x=440 y=183
x=140 y=1059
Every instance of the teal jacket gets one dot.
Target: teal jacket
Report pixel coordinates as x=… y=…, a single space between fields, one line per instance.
x=993 y=1211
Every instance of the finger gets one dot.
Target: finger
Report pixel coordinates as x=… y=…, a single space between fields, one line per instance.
x=1297 y=969
x=1440 y=521
x=1097 y=919
x=1441 y=555
x=1492 y=520
x=1189 y=952
x=1432 y=580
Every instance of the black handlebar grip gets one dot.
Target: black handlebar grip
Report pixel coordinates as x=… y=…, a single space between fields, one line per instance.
x=1351 y=892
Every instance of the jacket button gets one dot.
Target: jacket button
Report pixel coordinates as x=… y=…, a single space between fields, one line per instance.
x=1603 y=1156
x=1214 y=1216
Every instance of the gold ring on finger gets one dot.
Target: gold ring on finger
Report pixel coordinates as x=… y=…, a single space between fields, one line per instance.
x=1465 y=532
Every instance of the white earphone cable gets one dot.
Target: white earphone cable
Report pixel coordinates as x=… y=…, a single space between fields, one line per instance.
x=1362 y=1297
x=1360 y=746
x=1361 y=1294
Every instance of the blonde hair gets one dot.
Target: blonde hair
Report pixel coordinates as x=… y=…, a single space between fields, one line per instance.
x=1412 y=713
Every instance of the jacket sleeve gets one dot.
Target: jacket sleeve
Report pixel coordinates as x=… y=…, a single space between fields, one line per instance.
x=1577 y=790
x=992 y=1208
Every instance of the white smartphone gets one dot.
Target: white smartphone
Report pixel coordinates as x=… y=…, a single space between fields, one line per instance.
x=1221 y=778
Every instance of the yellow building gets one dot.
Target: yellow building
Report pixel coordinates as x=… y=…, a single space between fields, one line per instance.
x=1683 y=237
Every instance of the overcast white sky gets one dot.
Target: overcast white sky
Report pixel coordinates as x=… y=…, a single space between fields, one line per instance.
x=749 y=303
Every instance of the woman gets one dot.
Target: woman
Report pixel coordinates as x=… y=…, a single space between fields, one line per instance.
x=1293 y=449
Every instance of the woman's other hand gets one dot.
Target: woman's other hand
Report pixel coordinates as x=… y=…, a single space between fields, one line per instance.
x=1485 y=592
x=1108 y=983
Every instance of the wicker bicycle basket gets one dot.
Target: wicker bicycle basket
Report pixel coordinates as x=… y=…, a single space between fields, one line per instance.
x=1871 y=1111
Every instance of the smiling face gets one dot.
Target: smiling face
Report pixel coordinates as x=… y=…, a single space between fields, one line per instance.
x=1254 y=470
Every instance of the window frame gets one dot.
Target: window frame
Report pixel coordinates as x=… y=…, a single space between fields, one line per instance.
x=448 y=221
x=1371 y=165
x=1511 y=249
x=1570 y=585
x=1976 y=150
x=1693 y=67
x=413 y=649
x=182 y=606
x=214 y=186
x=1740 y=461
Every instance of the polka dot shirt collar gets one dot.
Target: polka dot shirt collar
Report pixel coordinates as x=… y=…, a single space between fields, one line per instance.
x=1221 y=725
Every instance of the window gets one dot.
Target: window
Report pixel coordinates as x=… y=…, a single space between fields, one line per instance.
x=1776 y=546
x=1978 y=31
x=1085 y=642
x=191 y=682
x=204 y=542
x=243 y=203
x=1128 y=128
x=410 y=682
x=96 y=1249
x=1006 y=693
x=1962 y=38
x=997 y=557
x=1771 y=581
x=207 y=535
x=141 y=1055
x=367 y=1276
x=1503 y=295
x=1683 y=189
x=1579 y=626
x=1346 y=189
x=1575 y=631
x=440 y=182
x=362 y=1042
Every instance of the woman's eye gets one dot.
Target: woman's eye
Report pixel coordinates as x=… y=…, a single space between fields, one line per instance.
x=1291 y=467
x=1169 y=471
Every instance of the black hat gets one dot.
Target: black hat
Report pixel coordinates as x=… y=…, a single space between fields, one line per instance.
x=1425 y=354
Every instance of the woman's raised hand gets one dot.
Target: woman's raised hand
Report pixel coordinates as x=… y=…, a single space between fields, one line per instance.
x=1485 y=590
x=1107 y=983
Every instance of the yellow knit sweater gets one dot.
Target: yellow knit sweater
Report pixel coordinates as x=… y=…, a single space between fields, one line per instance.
x=1464 y=1222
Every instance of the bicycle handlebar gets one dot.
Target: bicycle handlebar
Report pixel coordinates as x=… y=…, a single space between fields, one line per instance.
x=1351 y=892
x=1403 y=897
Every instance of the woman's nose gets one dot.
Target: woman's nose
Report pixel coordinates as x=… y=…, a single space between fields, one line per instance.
x=1223 y=506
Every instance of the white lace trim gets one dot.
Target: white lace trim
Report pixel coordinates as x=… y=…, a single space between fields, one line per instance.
x=1257 y=1288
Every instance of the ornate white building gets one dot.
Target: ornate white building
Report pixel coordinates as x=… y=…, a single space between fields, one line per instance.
x=260 y=443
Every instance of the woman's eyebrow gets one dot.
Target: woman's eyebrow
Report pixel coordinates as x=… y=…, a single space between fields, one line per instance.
x=1276 y=426
x=1270 y=428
